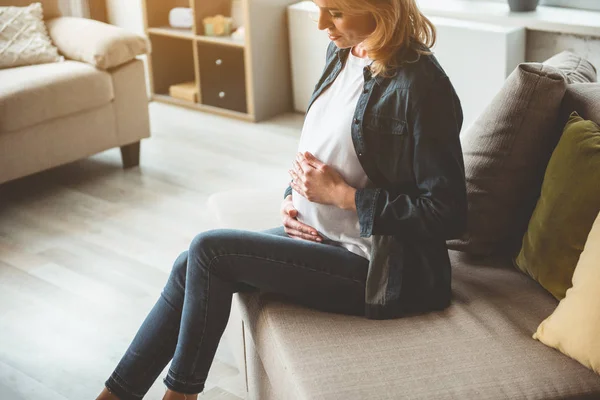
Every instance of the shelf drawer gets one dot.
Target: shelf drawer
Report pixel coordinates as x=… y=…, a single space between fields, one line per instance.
x=222 y=76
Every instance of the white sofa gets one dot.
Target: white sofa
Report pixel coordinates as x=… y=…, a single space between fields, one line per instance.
x=53 y=114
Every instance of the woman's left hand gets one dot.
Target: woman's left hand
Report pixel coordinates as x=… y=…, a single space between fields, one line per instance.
x=317 y=181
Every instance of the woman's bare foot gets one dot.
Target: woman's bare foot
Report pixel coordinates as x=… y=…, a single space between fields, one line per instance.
x=170 y=395
x=106 y=395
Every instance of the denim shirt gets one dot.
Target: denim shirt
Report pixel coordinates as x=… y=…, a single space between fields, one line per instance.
x=406 y=135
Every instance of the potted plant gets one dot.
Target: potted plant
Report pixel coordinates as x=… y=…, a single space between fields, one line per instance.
x=523 y=5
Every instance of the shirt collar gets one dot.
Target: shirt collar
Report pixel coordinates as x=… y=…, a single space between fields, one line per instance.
x=342 y=55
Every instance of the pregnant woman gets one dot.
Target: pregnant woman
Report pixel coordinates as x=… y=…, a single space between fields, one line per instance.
x=377 y=187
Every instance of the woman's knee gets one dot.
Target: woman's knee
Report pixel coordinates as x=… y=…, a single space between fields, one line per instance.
x=207 y=246
x=206 y=242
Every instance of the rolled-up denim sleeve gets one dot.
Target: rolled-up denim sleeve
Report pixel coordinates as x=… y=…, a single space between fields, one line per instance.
x=438 y=208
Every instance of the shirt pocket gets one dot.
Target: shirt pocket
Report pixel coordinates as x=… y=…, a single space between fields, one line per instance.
x=387 y=141
x=385 y=125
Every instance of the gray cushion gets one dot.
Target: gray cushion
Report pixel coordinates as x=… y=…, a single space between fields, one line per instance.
x=576 y=68
x=505 y=152
x=583 y=98
x=479 y=348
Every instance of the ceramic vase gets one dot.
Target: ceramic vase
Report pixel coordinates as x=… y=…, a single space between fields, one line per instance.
x=522 y=5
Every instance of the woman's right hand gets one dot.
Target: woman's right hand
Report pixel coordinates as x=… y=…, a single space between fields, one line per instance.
x=294 y=228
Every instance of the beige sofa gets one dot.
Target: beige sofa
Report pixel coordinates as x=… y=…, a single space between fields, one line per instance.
x=479 y=348
x=52 y=114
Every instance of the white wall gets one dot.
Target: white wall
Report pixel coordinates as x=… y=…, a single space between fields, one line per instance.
x=471 y=53
x=308 y=46
x=126 y=14
x=478 y=58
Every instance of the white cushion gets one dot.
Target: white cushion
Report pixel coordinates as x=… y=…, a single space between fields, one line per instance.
x=23 y=37
x=101 y=45
x=250 y=209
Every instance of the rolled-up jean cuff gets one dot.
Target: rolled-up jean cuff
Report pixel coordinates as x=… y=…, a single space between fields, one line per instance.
x=117 y=387
x=182 y=387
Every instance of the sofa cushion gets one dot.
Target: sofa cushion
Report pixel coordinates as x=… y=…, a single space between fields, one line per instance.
x=583 y=98
x=101 y=45
x=576 y=68
x=479 y=348
x=566 y=209
x=34 y=94
x=24 y=39
x=574 y=327
x=505 y=152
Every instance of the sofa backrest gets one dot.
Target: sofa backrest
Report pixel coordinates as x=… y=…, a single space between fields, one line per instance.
x=52 y=8
x=583 y=98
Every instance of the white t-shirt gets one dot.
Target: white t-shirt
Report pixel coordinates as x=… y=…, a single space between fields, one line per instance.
x=326 y=134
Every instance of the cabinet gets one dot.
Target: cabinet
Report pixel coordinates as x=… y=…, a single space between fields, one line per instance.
x=248 y=79
x=225 y=66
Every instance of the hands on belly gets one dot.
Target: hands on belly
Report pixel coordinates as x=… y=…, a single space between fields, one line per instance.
x=295 y=228
x=319 y=182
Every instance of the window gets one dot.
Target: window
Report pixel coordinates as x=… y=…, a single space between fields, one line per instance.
x=583 y=4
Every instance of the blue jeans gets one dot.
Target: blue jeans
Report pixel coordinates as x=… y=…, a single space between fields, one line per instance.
x=188 y=320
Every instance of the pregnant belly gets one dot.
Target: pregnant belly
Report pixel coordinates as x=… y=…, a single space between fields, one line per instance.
x=330 y=221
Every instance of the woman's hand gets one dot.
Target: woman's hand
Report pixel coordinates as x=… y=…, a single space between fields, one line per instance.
x=295 y=228
x=320 y=183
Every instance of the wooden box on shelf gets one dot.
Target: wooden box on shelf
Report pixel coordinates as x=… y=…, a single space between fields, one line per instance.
x=156 y=17
x=247 y=79
x=187 y=91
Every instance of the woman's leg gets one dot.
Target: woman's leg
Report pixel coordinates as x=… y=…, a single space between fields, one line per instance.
x=154 y=344
x=220 y=263
x=322 y=275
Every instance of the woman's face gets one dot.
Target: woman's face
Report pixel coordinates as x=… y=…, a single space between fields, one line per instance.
x=344 y=30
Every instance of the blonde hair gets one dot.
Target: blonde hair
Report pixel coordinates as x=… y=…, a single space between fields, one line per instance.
x=400 y=29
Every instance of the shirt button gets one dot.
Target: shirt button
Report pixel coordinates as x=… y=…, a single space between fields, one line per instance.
x=366 y=91
x=356 y=121
x=360 y=154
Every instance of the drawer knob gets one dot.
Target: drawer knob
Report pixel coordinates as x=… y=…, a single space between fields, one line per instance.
x=219 y=61
x=221 y=94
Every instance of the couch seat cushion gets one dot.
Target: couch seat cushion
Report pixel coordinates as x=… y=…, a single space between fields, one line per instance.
x=33 y=94
x=481 y=347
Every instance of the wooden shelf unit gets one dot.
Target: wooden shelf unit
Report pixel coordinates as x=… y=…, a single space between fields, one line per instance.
x=172 y=32
x=248 y=79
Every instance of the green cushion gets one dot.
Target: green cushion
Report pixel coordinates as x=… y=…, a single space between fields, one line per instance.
x=566 y=209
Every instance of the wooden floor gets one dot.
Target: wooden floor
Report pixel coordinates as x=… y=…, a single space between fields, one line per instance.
x=85 y=249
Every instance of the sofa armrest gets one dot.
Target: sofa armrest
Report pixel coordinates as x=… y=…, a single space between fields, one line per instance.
x=101 y=45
